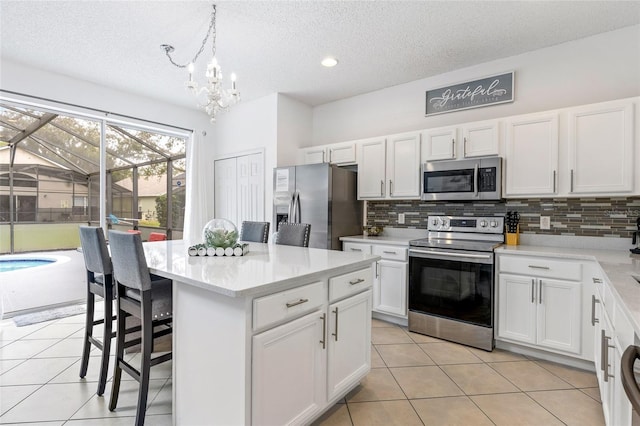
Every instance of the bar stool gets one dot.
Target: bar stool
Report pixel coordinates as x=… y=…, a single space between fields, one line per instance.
x=254 y=231
x=293 y=234
x=142 y=295
x=100 y=283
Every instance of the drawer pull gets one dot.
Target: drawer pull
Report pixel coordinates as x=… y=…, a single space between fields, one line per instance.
x=356 y=281
x=389 y=252
x=355 y=249
x=539 y=267
x=594 y=320
x=597 y=281
x=296 y=303
x=336 y=333
x=324 y=330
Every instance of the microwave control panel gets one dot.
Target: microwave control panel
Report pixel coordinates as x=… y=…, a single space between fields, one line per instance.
x=487 y=179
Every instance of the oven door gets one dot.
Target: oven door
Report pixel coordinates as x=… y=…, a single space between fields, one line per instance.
x=457 y=285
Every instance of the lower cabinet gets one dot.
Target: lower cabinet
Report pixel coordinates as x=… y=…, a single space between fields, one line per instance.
x=391 y=278
x=289 y=365
x=311 y=361
x=541 y=312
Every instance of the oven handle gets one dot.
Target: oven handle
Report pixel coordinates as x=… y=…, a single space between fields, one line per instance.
x=488 y=258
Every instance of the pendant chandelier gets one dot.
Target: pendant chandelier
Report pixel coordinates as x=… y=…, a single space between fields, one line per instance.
x=212 y=96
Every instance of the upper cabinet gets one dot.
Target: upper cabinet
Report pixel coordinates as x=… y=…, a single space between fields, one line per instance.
x=389 y=168
x=532 y=154
x=601 y=148
x=339 y=153
x=477 y=139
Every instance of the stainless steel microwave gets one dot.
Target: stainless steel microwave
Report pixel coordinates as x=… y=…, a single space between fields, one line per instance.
x=475 y=179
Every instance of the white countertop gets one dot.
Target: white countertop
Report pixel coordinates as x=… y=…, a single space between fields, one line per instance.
x=266 y=268
x=619 y=266
x=382 y=239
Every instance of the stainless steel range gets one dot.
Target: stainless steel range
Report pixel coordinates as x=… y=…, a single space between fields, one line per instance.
x=451 y=279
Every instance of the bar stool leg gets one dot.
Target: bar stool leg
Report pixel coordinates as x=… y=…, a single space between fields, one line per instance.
x=145 y=362
x=117 y=371
x=88 y=332
x=106 y=337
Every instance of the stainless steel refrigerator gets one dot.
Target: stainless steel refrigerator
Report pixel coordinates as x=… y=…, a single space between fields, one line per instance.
x=320 y=194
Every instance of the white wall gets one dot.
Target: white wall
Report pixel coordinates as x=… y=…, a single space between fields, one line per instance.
x=248 y=127
x=294 y=129
x=589 y=70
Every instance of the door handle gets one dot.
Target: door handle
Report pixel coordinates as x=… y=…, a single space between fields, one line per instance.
x=540 y=292
x=605 y=357
x=390 y=187
x=464 y=146
x=324 y=330
x=538 y=267
x=571 y=181
x=533 y=291
x=554 y=181
x=453 y=148
x=594 y=320
x=382 y=188
x=291 y=205
x=336 y=333
x=475 y=178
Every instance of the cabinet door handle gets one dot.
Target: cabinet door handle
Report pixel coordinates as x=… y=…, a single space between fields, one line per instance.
x=571 y=181
x=540 y=292
x=356 y=281
x=377 y=272
x=390 y=187
x=554 y=181
x=605 y=357
x=330 y=152
x=603 y=351
x=336 y=333
x=594 y=320
x=324 y=330
x=355 y=249
x=296 y=303
x=453 y=148
x=389 y=252
x=538 y=267
x=597 y=280
x=323 y=156
x=382 y=188
x=464 y=146
x=533 y=285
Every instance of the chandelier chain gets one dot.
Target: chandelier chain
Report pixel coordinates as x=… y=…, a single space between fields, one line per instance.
x=211 y=31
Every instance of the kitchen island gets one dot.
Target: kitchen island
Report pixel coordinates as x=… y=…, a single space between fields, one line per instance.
x=273 y=337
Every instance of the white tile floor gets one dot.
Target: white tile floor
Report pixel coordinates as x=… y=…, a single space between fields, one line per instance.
x=415 y=379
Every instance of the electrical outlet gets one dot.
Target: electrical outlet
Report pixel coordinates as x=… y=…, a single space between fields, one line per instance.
x=401 y=218
x=545 y=222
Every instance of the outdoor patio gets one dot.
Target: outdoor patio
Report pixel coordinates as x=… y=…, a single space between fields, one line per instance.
x=30 y=289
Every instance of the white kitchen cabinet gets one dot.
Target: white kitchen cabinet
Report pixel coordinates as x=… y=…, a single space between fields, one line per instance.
x=289 y=365
x=439 y=144
x=531 y=163
x=601 y=155
x=403 y=166
x=480 y=139
x=349 y=342
x=540 y=303
x=468 y=140
x=338 y=153
x=313 y=360
x=389 y=168
x=390 y=277
x=372 y=161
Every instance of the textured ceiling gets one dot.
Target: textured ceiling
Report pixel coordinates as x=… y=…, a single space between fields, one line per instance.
x=276 y=46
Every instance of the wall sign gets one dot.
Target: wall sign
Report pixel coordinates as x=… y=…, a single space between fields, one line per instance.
x=473 y=94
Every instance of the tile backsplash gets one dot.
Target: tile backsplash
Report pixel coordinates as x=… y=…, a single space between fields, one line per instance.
x=602 y=217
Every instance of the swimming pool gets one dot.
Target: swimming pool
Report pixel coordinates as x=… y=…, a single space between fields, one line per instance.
x=22 y=263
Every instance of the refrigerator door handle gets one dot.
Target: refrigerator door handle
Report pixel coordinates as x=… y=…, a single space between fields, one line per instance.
x=297 y=208
x=291 y=208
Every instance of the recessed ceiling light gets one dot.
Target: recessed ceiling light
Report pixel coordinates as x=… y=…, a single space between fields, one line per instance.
x=329 y=62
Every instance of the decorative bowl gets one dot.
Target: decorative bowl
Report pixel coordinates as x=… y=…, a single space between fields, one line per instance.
x=373 y=231
x=220 y=233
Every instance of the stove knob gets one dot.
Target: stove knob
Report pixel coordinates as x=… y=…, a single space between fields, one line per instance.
x=435 y=221
x=483 y=224
x=493 y=223
x=445 y=223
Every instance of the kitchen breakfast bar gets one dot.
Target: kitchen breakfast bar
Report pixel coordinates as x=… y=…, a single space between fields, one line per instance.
x=273 y=337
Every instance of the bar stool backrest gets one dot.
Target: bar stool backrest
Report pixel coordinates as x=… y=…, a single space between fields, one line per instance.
x=129 y=263
x=95 y=251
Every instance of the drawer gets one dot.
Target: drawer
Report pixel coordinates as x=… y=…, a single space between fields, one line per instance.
x=541 y=267
x=351 y=283
x=356 y=247
x=287 y=304
x=391 y=252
